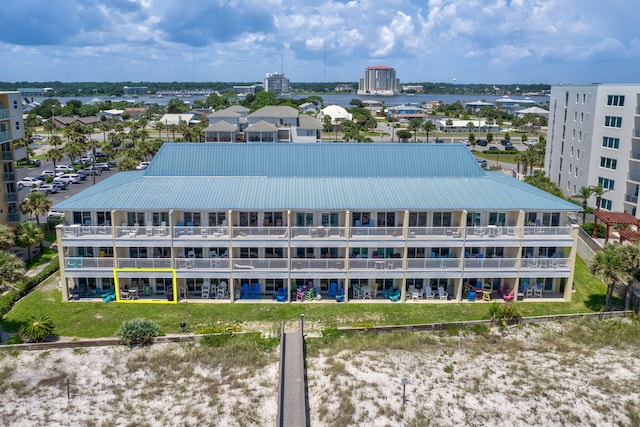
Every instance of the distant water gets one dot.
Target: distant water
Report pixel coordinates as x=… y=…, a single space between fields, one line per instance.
x=329 y=99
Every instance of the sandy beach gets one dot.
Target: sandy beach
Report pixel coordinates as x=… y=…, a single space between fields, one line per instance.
x=517 y=376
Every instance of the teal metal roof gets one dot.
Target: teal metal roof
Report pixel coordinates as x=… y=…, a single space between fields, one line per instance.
x=308 y=176
x=314 y=160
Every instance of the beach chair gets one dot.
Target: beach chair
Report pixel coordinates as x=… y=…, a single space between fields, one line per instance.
x=442 y=294
x=333 y=289
x=281 y=295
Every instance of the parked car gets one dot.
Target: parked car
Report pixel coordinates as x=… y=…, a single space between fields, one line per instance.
x=56 y=214
x=90 y=170
x=529 y=142
x=103 y=166
x=69 y=178
x=482 y=163
x=62 y=185
x=64 y=169
x=46 y=189
x=510 y=148
x=483 y=142
x=142 y=165
x=29 y=182
x=493 y=148
x=505 y=142
x=50 y=173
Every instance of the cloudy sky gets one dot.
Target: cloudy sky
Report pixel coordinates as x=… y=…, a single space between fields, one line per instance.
x=471 y=41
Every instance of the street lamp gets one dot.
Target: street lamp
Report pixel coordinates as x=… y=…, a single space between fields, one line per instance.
x=404 y=388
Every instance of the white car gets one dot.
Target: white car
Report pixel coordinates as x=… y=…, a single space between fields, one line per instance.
x=64 y=169
x=529 y=142
x=142 y=165
x=29 y=182
x=46 y=189
x=70 y=178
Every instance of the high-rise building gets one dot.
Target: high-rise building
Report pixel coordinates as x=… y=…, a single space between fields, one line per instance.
x=593 y=139
x=276 y=83
x=11 y=129
x=379 y=80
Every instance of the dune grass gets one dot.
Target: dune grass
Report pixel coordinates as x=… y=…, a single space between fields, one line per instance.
x=91 y=320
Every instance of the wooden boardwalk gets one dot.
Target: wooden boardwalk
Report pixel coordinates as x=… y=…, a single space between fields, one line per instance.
x=292 y=396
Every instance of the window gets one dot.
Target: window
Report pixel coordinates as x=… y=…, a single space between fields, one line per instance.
x=361 y=218
x=495 y=252
x=609 y=142
x=330 y=219
x=274 y=252
x=17 y=125
x=252 y=253
x=417 y=219
x=613 y=121
x=135 y=218
x=217 y=218
x=551 y=219
x=606 y=183
x=615 y=100
x=474 y=218
x=605 y=204
x=104 y=218
x=497 y=218
x=608 y=163
x=193 y=217
x=442 y=219
x=82 y=218
x=248 y=219
x=194 y=285
x=386 y=219
x=160 y=217
x=329 y=252
x=416 y=253
x=304 y=219
x=304 y=253
x=138 y=252
x=272 y=219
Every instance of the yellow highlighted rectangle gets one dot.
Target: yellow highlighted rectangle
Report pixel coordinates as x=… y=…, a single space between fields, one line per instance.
x=147 y=270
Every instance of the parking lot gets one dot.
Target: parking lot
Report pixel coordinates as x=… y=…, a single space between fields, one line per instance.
x=71 y=188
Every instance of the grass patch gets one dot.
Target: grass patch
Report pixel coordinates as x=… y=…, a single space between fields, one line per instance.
x=91 y=320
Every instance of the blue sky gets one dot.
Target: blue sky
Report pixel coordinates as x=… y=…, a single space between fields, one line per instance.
x=471 y=41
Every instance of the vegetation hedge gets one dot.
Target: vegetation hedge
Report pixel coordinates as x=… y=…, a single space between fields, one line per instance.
x=23 y=288
x=588 y=228
x=498 y=152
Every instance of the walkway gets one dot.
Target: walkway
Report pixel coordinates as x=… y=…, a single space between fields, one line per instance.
x=292 y=405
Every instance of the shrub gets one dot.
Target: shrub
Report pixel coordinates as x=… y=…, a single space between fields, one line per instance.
x=504 y=314
x=37 y=328
x=137 y=332
x=218 y=329
x=588 y=228
x=23 y=288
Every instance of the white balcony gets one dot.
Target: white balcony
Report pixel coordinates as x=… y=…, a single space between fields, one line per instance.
x=529 y=264
x=144 y=263
x=259 y=233
x=317 y=264
x=433 y=263
x=88 y=263
x=435 y=233
x=490 y=263
x=317 y=232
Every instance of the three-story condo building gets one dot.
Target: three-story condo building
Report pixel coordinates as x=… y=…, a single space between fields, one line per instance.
x=236 y=222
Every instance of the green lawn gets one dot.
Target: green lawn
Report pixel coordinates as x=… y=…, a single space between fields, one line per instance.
x=502 y=158
x=99 y=319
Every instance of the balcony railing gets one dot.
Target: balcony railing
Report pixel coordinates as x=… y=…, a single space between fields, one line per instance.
x=88 y=262
x=544 y=263
x=317 y=264
x=5 y=136
x=260 y=232
x=4 y=113
x=490 y=263
x=631 y=199
x=240 y=264
x=144 y=263
x=375 y=233
x=317 y=232
x=375 y=264
x=547 y=231
x=433 y=263
x=202 y=263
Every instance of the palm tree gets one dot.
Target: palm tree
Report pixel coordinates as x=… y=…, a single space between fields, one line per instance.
x=159 y=127
x=36 y=203
x=609 y=265
x=414 y=125
x=7 y=237
x=28 y=235
x=11 y=270
x=54 y=155
x=428 y=126
x=583 y=197
x=598 y=191
x=449 y=123
x=55 y=140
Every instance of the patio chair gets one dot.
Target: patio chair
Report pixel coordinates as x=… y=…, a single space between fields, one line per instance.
x=245 y=290
x=537 y=292
x=300 y=294
x=256 y=291
x=206 y=290
x=471 y=295
x=281 y=295
x=222 y=290
x=428 y=293
x=442 y=294
x=309 y=295
x=357 y=291
x=395 y=295
x=340 y=295
x=333 y=289
x=486 y=296
x=509 y=297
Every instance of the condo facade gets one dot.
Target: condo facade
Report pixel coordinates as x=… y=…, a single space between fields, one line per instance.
x=379 y=80
x=593 y=138
x=11 y=130
x=259 y=222
x=277 y=83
